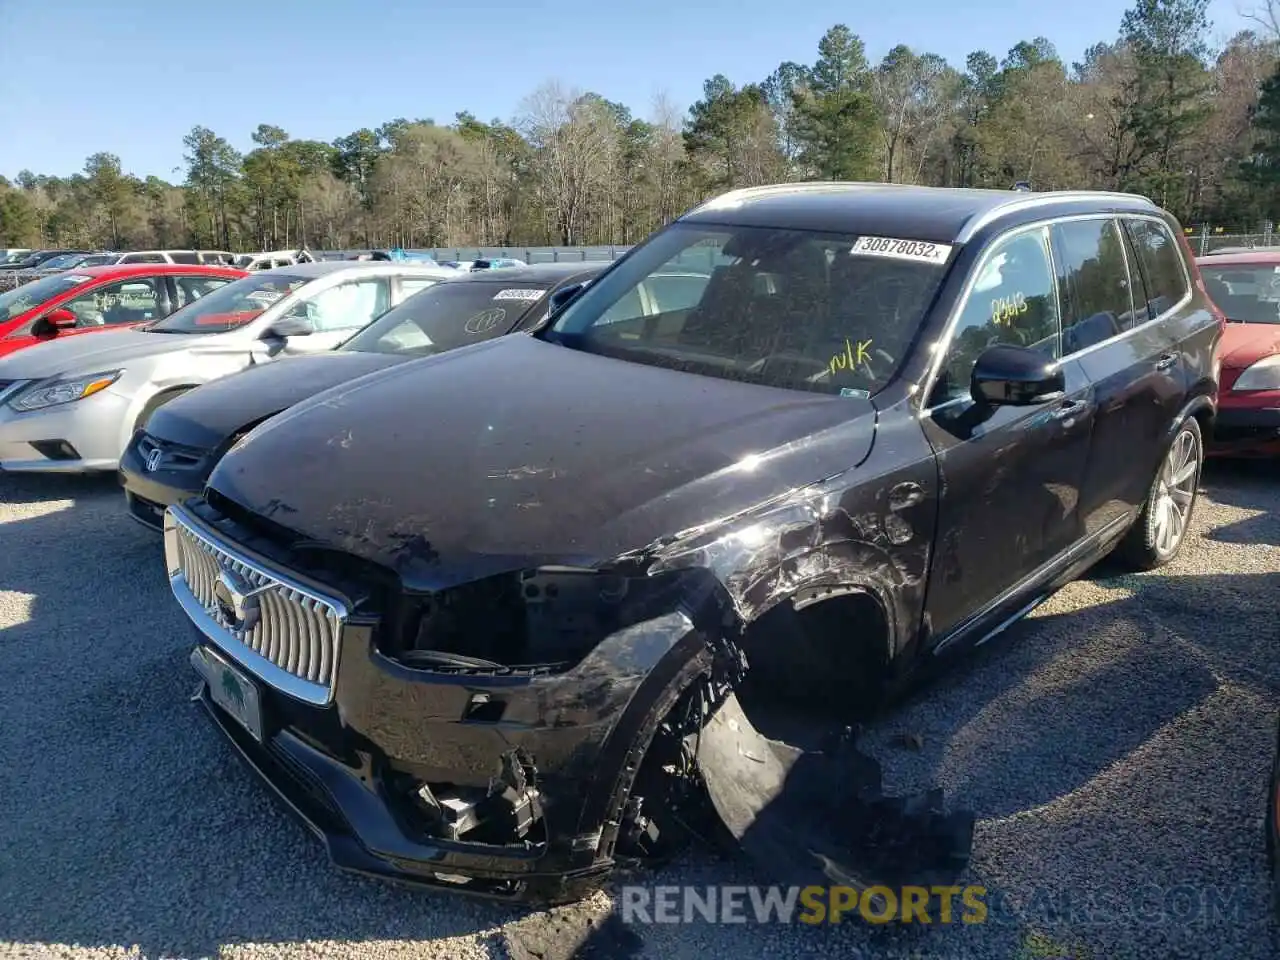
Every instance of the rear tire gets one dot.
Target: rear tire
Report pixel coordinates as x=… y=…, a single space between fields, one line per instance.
x=1156 y=537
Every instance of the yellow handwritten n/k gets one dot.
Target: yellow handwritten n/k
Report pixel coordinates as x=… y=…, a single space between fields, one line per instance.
x=852 y=357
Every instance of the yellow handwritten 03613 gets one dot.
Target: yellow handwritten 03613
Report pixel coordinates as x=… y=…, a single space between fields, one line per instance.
x=1004 y=309
x=851 y=357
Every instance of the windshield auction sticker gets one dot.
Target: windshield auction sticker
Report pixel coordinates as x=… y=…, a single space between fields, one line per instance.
x=518 y=294
x=896 y=249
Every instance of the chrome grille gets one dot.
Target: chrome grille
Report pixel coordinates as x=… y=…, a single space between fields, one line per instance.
x=294 y=645
x=172 y=455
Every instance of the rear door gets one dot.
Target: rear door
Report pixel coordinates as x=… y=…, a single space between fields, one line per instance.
x=185 y=289
x=1123 y=290
x=1009 y=476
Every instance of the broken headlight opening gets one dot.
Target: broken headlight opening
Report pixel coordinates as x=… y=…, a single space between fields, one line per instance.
x=540 y=621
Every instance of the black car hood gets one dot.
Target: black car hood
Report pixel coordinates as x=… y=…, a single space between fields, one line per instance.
x=517 y=452
x=207 y=416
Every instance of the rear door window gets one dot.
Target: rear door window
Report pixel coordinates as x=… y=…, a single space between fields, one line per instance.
x=184 y=256
x=1161 y=261
x=1093 y=282
x=191 y=289
x=676 y=291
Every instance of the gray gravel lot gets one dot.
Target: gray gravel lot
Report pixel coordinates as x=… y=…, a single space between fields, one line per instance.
x=1116 y=742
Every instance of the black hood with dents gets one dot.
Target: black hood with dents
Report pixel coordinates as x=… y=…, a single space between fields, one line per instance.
x=516 y=452
x=207 y=416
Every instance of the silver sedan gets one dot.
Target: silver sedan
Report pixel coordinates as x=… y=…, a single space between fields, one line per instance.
x=71 y=405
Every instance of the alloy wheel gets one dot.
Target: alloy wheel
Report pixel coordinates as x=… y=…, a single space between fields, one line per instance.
x=1175 y=492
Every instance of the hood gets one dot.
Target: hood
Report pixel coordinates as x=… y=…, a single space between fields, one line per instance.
x=74 y=355
x=517 y=452
x=208 y=415
x=1246 y=343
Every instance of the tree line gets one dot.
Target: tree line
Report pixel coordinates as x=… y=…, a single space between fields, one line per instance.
x=1157 y=110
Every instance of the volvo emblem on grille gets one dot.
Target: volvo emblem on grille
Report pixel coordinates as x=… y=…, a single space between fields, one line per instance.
x=237 y=600
x=153 y=460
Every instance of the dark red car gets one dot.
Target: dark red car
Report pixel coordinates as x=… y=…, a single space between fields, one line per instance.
x=97 y=299
x=1246 y=287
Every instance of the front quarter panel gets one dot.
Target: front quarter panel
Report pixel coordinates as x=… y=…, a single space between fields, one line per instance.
x=866 y=530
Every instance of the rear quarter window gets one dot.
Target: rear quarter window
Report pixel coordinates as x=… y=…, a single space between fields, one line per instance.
x=1160 y=259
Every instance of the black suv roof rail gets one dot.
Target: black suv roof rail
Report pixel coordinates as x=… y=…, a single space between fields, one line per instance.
x=999 y=205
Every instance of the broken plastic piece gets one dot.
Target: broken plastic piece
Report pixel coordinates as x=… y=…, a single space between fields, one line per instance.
x=820 y=817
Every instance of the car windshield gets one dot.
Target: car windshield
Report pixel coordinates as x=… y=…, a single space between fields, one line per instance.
x=230 y=306
x=447 y=315
x=821 y=312
x=63 y=261
x=97 y=260
x=1248 y=293
x=15 y=302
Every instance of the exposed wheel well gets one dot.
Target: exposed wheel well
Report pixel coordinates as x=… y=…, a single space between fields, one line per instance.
x=1204 y=416
x=831 y=655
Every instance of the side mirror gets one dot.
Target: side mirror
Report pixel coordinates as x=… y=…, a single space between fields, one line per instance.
x=564 y=296
x=60 y=318
x=287 y=327
x=1005 y=375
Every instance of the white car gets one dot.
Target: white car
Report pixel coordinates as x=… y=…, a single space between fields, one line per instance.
x=71 y=405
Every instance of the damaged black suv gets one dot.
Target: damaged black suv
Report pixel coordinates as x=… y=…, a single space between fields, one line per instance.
x=496 y=627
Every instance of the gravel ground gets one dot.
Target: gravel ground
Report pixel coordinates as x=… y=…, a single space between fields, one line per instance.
x=1114 y=744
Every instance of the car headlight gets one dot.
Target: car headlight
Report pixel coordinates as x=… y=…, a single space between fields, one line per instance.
x=50 y=393
x=1263 y=375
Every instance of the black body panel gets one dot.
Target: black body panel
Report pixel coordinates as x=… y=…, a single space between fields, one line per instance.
x=916 y=522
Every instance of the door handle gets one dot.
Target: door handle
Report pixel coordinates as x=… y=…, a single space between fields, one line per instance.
x=1166 y=361
x=1068 y=408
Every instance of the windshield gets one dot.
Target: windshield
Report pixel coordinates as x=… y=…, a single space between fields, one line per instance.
x=1248 y=293
x=15 y=257
x=63 y=261
x=19 y=300
x=802 y=310
x=448 y=315
x=230 y=306
x=97 y=260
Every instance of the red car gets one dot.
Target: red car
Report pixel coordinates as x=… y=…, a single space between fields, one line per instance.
x=1246 y=287
x=97 y=299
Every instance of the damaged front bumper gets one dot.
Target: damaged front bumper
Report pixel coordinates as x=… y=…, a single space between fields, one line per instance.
x=523 y=785
x=352 y=817
x=514 y=790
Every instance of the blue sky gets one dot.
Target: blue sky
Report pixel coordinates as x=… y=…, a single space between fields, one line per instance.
x=133 y=76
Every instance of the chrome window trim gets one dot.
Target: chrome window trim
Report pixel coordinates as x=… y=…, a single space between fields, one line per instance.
x=1032 y=201
x=953 y=318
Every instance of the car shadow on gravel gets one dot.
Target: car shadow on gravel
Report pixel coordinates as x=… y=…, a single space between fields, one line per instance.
x=1248 y=485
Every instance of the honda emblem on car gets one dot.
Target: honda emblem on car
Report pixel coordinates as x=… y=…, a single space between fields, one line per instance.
x=237 y=600
x=153 y=460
